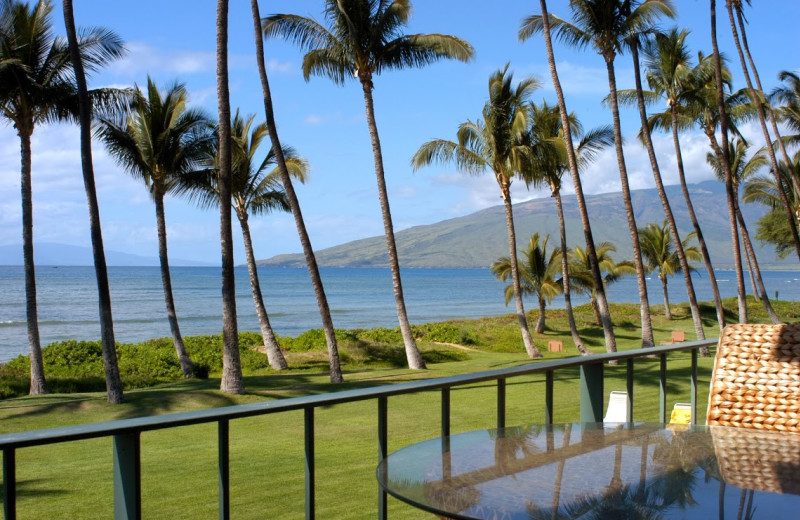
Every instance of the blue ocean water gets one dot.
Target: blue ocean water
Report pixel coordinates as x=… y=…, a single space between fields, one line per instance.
x=358 y=297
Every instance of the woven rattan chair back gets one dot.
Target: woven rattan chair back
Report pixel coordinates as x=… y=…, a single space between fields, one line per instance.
x=755 y=382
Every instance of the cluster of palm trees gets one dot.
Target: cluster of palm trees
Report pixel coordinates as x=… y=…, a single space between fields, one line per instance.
x=157 y=138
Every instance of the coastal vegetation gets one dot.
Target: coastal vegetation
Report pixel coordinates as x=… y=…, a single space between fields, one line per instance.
x=77 y=367
x=159 y=139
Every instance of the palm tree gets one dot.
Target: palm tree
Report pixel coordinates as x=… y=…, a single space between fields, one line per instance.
x=634 y=41
x=611 y=269
x=670 y=76
x=743 y=168
x=773 y=227
x=113 y=381
x=538 y=273
x=529 y=27
x=37 y=85
x=286 y=180
x=363 y=38
x=604 y=25
x=719 y=151
x=661 y=257
x=761 y=109
x=497 y=143
x=157 y=140
x=231 y=380
x=549 y=163
x=255 y=190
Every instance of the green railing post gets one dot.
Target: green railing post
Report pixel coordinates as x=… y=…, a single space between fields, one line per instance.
x=445 y=412
x=501 y=402
x=309 y=444
x=383 y=450
x=548 y=397
x=592 y=392
x=662 y=386
x=127 y=477
x=223 y=443
x=9 y=484
x=693 y=388
x=629 y=388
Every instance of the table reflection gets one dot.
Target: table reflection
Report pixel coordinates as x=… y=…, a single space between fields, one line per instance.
x=596 y=471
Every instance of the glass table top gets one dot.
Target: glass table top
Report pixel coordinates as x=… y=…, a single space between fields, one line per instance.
x=600 y=471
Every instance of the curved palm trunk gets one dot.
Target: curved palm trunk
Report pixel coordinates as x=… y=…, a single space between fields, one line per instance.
x=183 y=357
x=667 y=310
x=662 y=195
x=644 y=304
x=726 y=167
x=562 y=231
x=750 y=275
x=541 y=320
x=110 y=365
x=412 y=352
x=755 y=271
x=693 y=216
x=274 y=355
x=591 y=252
x=38 y=382
x=527 y=339
x=232 y=381
x=767 y=139
x=335 y=368
x=770 y=113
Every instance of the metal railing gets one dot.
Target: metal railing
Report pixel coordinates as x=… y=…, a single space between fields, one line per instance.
x=125 y=433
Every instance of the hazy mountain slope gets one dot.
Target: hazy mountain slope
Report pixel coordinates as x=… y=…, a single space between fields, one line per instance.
x=476 y=240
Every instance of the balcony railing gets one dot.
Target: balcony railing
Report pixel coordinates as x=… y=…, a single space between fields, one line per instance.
x=125 y=434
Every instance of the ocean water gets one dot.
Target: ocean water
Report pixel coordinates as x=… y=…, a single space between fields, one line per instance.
x=358 y=297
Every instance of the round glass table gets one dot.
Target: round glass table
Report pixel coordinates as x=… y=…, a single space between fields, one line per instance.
x=600 y=471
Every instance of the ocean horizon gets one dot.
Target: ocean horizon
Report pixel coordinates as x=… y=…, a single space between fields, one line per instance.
x=358 y=298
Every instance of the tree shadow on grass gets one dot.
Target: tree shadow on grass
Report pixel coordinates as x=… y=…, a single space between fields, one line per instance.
x=34 y=488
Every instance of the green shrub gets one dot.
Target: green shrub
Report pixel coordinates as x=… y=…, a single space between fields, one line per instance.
x=382 y=335
x=309 y=340
x=444 y=333
x=148 y=361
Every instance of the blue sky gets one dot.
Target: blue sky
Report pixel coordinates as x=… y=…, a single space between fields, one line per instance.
x=174 y=40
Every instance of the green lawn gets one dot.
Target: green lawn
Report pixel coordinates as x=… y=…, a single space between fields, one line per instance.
x=179 y=466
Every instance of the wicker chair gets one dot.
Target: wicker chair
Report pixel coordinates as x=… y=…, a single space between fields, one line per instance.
x=755 y=382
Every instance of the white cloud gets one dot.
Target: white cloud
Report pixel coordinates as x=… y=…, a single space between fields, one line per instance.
x=142 y=59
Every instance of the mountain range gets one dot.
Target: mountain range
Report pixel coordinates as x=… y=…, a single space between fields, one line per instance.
x=49 y=253
x=478 y=239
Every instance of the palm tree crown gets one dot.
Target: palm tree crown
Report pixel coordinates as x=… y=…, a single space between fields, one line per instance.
x=362 y=38
x=160 y=138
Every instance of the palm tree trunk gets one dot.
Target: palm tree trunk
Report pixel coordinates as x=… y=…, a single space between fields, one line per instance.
x=274 y=355
x=644 y=304
x=591 y=252
x=596 y=309
x=335 y=369
x=540 y=322
x=726 y=167
x=693 y=216
x=770 y=113
x=667 y=310
x=113 y=380
x=562 y=231
x=750 y=275
x=755 y=271
x=38 y=382
x=231 y=381
x=527 y=339
x=183 y=357
x=413 y=356
x=651 y=153
x=767 y=139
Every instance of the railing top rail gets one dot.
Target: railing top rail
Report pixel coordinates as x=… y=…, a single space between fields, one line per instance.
x=156 y=422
